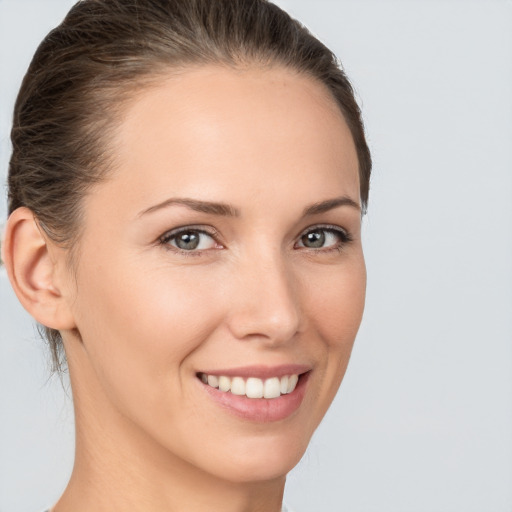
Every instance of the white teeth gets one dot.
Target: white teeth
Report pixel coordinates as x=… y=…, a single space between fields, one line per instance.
x=292 y=382
x=224 y=383
x=253 y=387
x=212 y=380
x=272 y=388
x=284 y=385
x=238 y=386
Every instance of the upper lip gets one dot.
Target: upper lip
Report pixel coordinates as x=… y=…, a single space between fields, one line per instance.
x=260 y=371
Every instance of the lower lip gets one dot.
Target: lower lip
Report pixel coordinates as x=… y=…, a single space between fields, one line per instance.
x=261 y=410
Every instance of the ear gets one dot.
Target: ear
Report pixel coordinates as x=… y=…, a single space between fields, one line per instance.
x=35 y=268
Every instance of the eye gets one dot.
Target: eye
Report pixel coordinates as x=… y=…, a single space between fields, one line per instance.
x=189 y=240
x=324 y=238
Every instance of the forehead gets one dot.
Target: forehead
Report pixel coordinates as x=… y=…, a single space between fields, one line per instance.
x=195 y=131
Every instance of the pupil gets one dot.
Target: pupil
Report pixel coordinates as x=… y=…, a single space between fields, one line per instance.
x=314 y=239
x=188 y=240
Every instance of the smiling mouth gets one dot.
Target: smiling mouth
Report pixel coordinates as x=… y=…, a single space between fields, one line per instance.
x=252 y=387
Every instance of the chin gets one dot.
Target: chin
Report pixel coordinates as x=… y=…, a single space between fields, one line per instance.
x=258 y=470
x=259 y=459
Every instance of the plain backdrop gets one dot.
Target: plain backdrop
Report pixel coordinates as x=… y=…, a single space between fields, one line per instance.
x=423 y=420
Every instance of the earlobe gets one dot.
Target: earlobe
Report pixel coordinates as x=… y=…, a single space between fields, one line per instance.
x=33 y=269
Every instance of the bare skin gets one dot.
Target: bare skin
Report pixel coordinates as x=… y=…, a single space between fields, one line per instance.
x=275 y=279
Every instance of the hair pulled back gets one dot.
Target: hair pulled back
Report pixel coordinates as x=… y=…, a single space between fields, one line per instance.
x=104 y=51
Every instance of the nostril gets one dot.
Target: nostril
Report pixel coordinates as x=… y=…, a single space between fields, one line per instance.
x=271 y=327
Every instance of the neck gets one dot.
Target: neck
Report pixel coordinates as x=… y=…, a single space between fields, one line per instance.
x=118 y=467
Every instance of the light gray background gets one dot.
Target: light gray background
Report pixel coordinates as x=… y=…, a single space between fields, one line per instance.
x=423 y=421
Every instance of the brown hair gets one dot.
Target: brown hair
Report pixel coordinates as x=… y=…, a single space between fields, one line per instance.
x=87 y=67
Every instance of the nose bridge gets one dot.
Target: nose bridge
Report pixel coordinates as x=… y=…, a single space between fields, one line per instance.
x=266 y=302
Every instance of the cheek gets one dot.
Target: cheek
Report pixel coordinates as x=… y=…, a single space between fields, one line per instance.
x=336 y=311
x=139 y=328
x=338 y=305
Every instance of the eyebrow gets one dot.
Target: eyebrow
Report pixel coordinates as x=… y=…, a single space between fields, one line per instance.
x=330 y=204
x=227 y=210
x=196 y=205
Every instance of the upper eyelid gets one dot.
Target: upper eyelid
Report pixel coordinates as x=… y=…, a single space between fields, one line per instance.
x=327 y=227
x=207 y=230
x=210 y=230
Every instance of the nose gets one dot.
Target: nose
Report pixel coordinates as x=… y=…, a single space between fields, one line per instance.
x=265 y=302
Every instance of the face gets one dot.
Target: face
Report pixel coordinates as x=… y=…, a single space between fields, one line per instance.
x=221 y=279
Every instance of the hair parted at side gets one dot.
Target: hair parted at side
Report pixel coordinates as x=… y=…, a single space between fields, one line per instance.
x=105 y=50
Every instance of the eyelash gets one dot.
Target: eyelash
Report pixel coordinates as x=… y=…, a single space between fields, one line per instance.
x=343 y=236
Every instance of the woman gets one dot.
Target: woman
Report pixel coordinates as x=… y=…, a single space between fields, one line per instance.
x=185 y=196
